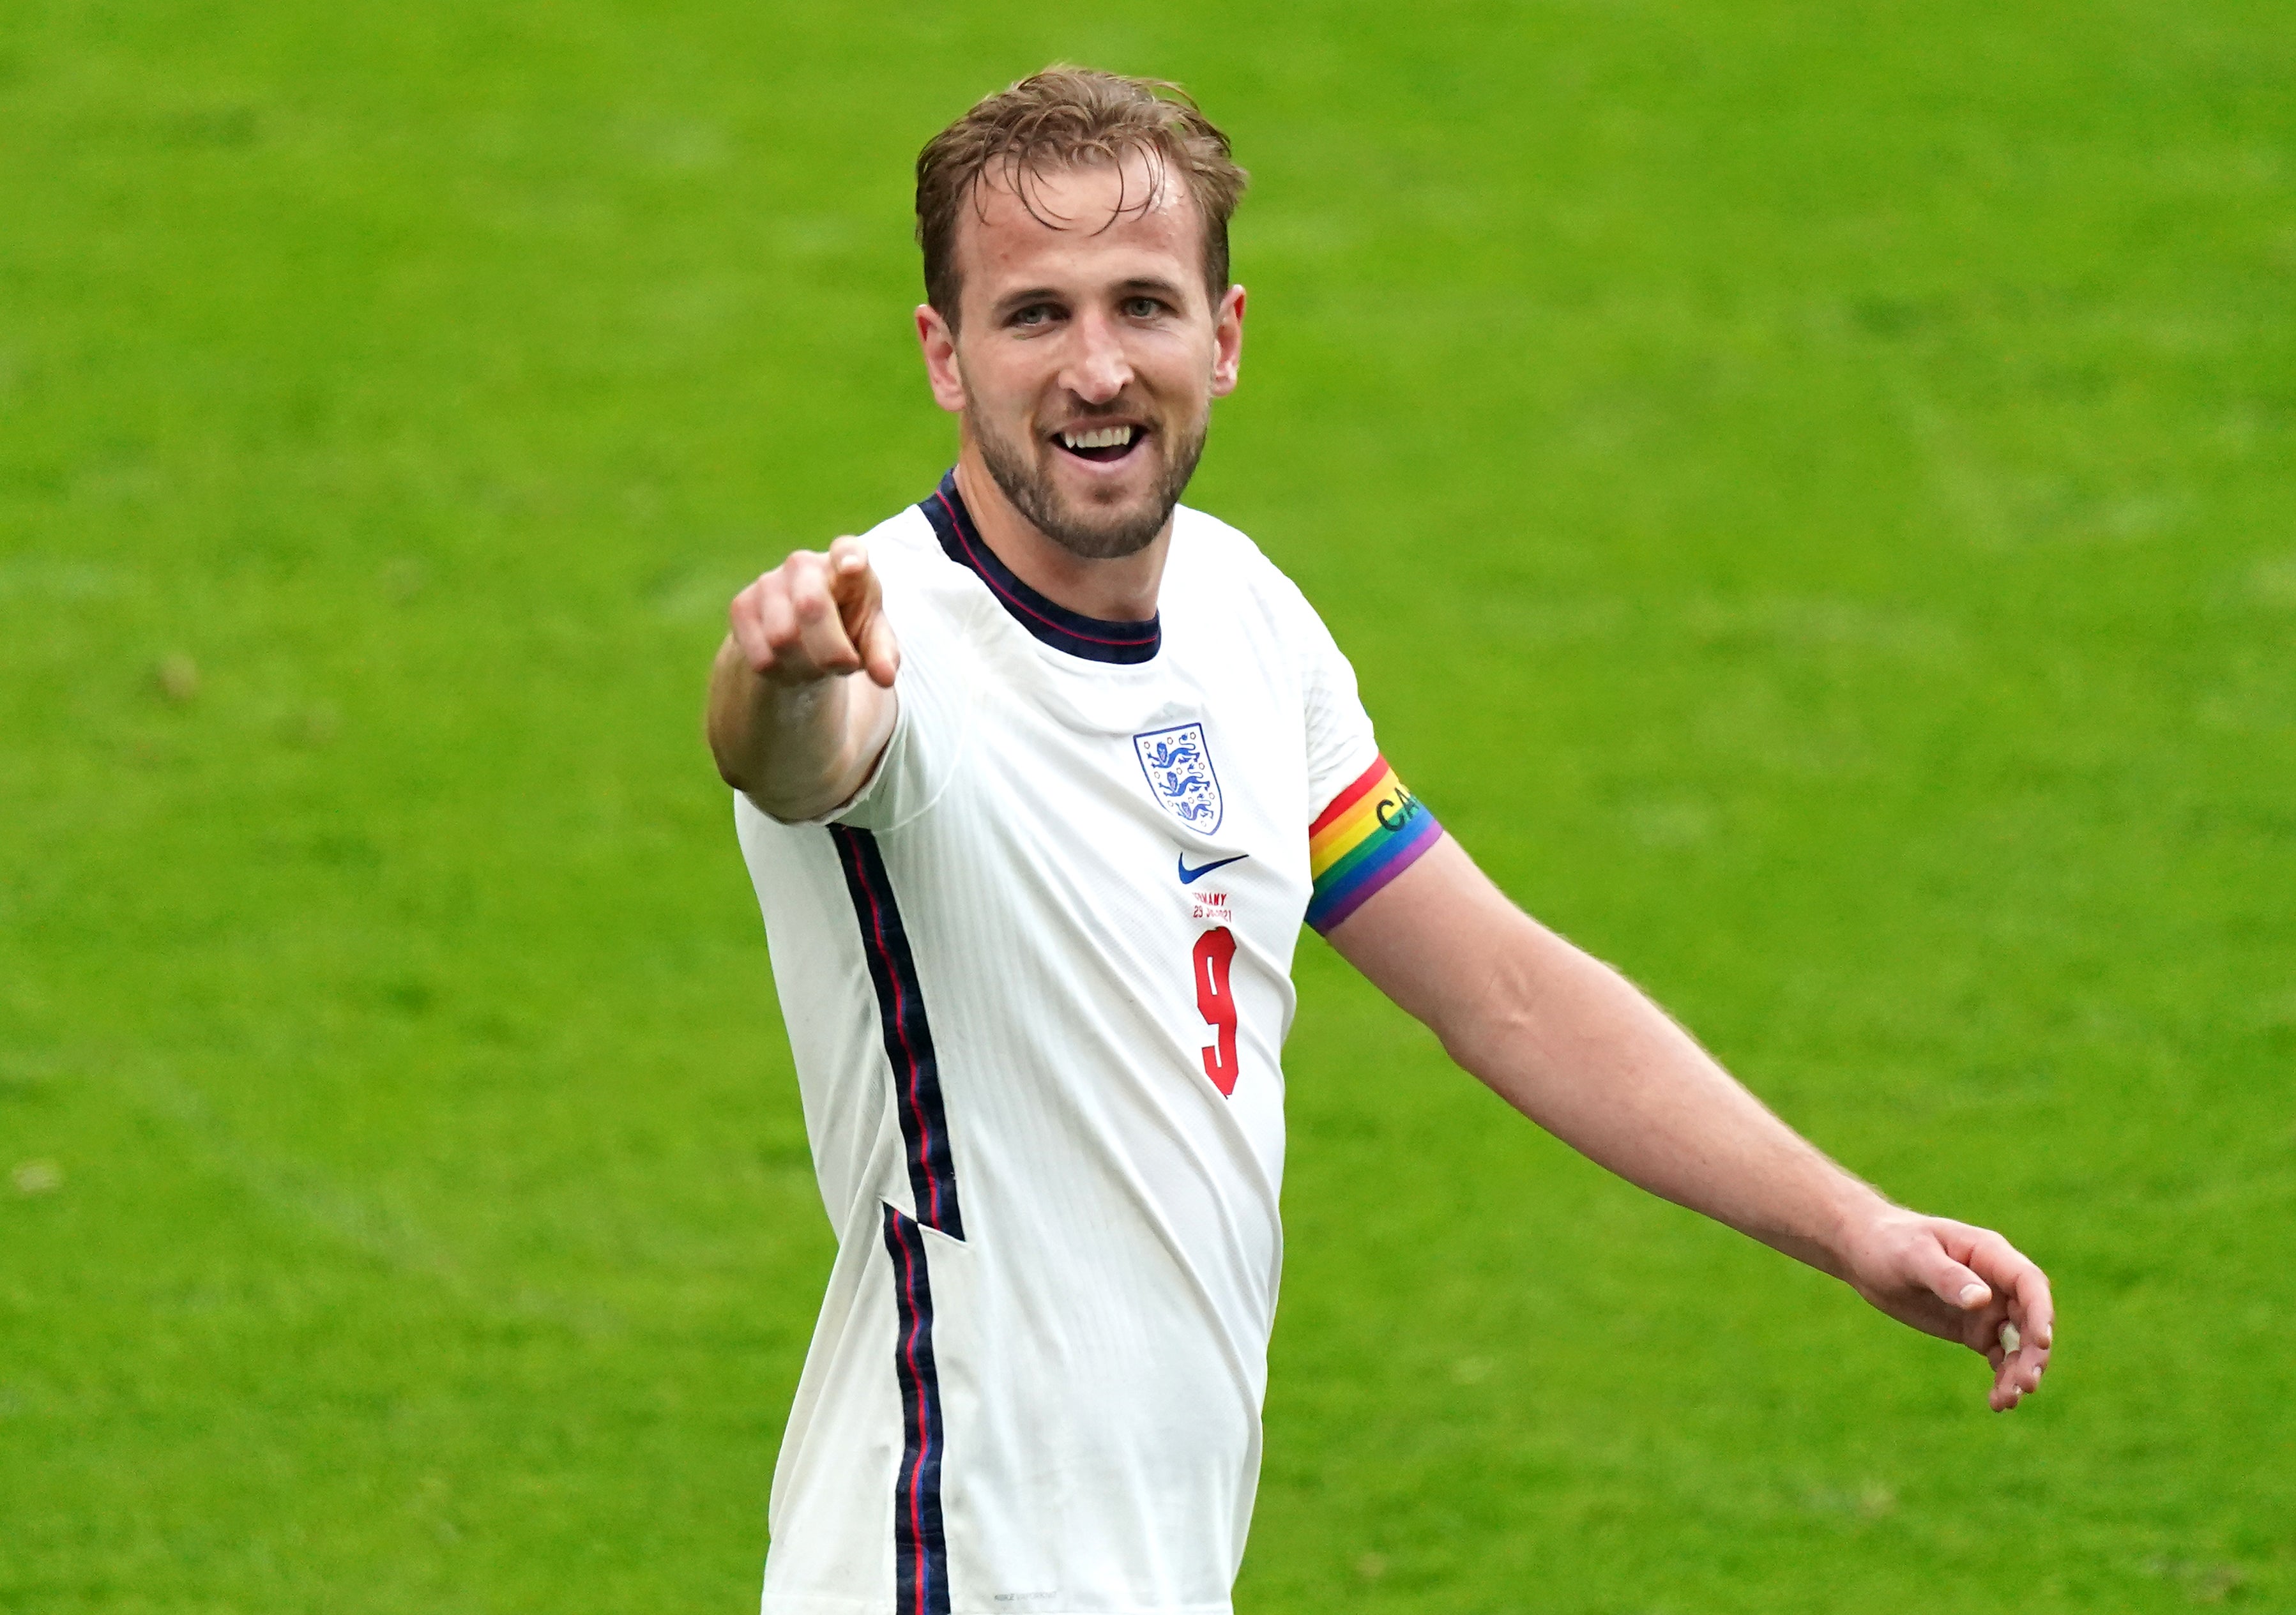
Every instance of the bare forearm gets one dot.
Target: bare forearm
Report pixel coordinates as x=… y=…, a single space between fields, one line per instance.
x=1572 y=1044
x=1568 y=1041
x=1576 y=1048
x=798 y=750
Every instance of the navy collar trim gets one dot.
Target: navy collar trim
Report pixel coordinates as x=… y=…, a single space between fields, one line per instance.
x=1090 y=637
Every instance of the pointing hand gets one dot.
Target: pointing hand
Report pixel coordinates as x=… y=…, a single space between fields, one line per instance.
x=816 y=616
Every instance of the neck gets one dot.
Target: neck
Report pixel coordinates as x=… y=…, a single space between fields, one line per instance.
x=1119 y=590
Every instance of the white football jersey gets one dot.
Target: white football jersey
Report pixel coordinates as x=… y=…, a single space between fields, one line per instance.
x=1036 y=977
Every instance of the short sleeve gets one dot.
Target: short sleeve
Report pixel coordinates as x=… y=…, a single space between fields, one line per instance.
x=1340 y=743
x=931 y=729
x=1366 y=827
x=931 y=719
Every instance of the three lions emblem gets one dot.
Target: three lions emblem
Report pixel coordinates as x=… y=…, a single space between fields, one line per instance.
x=1178 y=764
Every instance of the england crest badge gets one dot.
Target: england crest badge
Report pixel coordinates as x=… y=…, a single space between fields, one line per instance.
x=1179 y=769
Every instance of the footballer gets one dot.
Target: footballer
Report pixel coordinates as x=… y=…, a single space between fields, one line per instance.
x=1036 y=782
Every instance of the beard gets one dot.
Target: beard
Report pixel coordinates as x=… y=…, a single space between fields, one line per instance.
x=1087 y=533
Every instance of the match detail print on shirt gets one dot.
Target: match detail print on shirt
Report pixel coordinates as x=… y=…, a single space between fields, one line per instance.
x=1372 y=832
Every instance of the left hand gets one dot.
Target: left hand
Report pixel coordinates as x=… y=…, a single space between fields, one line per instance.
x=1959 y=1283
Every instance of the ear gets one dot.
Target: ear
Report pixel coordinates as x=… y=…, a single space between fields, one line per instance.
x=940 y=344
x=1228 y=341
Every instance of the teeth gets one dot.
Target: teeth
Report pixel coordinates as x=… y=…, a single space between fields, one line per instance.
x=1107 y=436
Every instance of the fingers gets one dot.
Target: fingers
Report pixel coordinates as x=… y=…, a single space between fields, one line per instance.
x=811 y=616
x=859 y=602
x=763 y=626
x=850 y=578
x=2022 y=1326
x=1988 y=1287
x=1953 y=1283
x=2007 y=1316
x=821 y=626
x=881 y=653
x=2039 y=1309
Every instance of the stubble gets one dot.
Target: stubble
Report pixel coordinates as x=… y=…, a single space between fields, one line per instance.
x=1084 y=533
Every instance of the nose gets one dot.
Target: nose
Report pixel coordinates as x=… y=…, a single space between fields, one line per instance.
x=1097 y=369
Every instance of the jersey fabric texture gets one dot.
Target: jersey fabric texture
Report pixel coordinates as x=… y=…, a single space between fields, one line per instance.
x=1037 y=978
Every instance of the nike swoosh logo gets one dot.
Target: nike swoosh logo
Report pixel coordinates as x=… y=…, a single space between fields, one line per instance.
x=1189 y=877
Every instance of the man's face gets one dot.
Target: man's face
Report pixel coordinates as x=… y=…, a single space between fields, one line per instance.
x=1089 y=352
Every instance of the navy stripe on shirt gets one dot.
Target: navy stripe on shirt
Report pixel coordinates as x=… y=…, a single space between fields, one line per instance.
x=901 y=1019
x=920 y=1545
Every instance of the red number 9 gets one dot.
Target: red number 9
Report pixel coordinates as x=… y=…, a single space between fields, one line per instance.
x=1215 y=950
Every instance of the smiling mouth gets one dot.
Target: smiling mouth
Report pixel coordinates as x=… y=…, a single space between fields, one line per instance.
x=1102 y=444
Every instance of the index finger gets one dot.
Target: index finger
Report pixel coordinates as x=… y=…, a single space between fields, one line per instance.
x=848 y=570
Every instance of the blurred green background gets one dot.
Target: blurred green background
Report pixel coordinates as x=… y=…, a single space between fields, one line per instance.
x=1808 y=489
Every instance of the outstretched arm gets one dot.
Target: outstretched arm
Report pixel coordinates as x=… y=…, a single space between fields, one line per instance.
x=1573 y=1045
x=790 y=723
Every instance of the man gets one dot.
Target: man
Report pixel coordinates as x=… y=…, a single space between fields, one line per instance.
x=1036 y=784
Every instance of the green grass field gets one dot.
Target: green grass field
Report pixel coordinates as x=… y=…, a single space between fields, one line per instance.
x=1809 y=491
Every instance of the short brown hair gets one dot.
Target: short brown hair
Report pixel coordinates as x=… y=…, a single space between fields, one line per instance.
x=1061 y=118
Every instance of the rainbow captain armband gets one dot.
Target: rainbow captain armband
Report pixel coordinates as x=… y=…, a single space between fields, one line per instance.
x=1372 y=832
